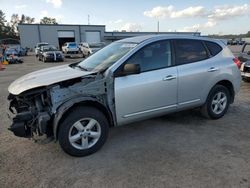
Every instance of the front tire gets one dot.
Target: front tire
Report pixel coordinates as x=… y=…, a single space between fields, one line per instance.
x=83 y=131
x=217 y=102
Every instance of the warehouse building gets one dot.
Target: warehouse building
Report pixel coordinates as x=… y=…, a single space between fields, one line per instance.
x=58 y=34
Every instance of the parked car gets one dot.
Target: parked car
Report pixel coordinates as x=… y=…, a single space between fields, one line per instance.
x=12 y=56
x=50 y=53
x=232 y=42
x=127 y=81
x=11 y=52
x=70 y=48
x=85 y=49
x=39 y=45
x=245 y=59
x=14 y=59
x=96 y=46
x=22 y=51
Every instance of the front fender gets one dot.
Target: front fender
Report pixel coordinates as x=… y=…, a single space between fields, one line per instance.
x=66 y=106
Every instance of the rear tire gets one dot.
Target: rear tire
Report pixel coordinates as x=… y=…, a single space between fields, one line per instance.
x=217 y=102
x=83 y=131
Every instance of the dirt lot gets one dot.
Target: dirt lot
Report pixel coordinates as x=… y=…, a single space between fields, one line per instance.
x=177 y=150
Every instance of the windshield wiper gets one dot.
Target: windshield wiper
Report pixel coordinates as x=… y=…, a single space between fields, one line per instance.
x=82 y=68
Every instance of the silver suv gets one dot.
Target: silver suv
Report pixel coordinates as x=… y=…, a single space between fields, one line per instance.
x=127 y=81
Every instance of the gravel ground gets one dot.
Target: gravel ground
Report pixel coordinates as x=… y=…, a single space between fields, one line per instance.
x=176 y=150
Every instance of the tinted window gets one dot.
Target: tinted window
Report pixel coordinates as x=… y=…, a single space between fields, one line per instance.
x=213 y=48
x=154 y=56
x=188 y=51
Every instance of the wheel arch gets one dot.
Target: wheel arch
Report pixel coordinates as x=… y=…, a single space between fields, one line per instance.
x=68 y=106
x=229 y=86
x=226 y=83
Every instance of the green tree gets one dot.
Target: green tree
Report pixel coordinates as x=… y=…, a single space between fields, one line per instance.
x=48 y=20
x=2 y=24
x=9 y=29
x=248 y=34
x=29 y=20
x=14 y=20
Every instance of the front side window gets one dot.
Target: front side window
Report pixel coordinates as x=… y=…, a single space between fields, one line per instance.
x=189 y=51
x=153 y=56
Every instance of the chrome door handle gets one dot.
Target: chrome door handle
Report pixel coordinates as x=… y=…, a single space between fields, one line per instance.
x=212 y=69
x=169 y=77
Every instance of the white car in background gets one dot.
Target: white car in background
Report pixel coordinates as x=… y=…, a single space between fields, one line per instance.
x=96 y=46
x=85 y=49
x=38 y=46
x=70 y=48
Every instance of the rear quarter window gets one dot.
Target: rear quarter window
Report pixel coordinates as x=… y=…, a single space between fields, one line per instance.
x=189 y=51
x=213 y=48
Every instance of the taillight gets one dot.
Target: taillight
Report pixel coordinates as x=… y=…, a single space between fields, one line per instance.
x=237 y=62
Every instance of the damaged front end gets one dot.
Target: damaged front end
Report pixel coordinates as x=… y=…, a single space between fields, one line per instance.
x=39 y=110
x=30 y=113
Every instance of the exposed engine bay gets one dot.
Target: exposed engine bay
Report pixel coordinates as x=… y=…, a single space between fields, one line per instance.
x=39 y=110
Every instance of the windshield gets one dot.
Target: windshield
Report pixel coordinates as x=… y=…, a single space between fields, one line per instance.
x=72 y=45
x=11 y=50
x=42 y=44
x=49 y=48
x=106 y=57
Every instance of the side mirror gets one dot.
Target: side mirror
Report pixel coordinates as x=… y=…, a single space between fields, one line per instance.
x=248 y=53
x=131 y=69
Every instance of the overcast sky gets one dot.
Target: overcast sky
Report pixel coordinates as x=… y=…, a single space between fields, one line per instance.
x=208 y=17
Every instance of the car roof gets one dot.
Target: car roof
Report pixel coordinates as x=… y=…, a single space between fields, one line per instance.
x=140 y=39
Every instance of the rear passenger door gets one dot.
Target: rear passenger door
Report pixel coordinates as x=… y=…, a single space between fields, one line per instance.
x=195 y=70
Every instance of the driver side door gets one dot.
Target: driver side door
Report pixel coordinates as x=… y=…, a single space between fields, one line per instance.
x=153 y=91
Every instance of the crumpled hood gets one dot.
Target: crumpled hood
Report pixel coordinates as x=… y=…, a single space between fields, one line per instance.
x=45 y=77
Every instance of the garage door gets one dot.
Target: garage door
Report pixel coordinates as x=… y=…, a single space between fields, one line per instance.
x=66 y=34
x=93 y=37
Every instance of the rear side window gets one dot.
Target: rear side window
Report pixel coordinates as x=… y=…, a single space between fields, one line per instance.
x=213 y=48
x=189 y=51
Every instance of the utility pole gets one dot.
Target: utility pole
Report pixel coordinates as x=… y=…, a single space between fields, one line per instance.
x=88 y=19
x=158 y=26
